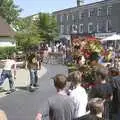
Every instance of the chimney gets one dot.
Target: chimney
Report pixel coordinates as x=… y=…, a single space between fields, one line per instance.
x=79 y=2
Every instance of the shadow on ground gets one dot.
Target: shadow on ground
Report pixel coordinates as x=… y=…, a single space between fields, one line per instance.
x=2 y=90
x=25 y=88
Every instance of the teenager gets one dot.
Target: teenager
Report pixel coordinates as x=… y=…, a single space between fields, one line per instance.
x=78 y=94
x=9 y=64
x=59 y=106
x=33 y=66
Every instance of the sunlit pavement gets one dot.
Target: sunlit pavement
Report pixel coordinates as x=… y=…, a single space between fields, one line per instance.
x=22 y=80
x=22 y=104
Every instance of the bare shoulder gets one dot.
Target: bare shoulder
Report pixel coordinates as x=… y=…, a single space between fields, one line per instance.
x=3 y=115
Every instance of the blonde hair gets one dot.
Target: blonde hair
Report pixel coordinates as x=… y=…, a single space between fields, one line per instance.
x=75 y=77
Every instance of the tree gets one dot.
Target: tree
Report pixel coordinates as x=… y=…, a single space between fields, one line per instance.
x=9 y=11
x=47 y=26
x=31 y=32
x=27 y=36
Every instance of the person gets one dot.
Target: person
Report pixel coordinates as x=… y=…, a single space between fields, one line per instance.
x=3 y=115
x=102 y=89
x=9 y=64
x=115 y=81
x=94 y=58
x=59 y=106
x=96 y=107
x=78 y=94
x=33 y=66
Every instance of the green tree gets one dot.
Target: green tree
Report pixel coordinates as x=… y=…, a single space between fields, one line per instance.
x=9 y=11
x=31 y=32
x=47 y=26
x=27 y=36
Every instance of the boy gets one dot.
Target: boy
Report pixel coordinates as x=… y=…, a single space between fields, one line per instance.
x=60 y=106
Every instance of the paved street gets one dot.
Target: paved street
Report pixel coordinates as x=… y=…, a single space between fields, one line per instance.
x=23 y=105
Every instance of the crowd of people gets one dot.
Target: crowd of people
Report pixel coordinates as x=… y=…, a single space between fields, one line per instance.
x=74 y=102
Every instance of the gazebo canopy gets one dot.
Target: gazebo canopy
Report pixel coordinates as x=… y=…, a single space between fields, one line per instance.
x=112 y=38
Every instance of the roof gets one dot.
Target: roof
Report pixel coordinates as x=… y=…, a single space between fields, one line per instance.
x=5 y=29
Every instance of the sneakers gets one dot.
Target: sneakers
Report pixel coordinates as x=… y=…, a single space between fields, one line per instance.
x=10 y=91
x=36 y=85
x=33 y=87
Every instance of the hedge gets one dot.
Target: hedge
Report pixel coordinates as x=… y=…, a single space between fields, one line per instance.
x=6 y=51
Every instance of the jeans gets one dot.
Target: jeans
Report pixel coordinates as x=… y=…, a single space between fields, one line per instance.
x=33 y=77
x=8 y=74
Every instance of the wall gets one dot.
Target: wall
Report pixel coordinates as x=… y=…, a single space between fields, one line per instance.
x=7 y=42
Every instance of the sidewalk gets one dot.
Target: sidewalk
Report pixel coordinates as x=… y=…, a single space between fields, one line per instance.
x=22 y=79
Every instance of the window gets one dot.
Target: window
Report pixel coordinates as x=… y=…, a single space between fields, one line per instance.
x=109 y=10
x=90 y=12
x=81 y=28
x=68 y=29
x=98 y=29
x=67 y=17
x=80 y=15
x=62 y=29
x=73 y=17
x=90 y=27
x=74 y=28
x=99 y=12
x=61 y=18
x=108 y=26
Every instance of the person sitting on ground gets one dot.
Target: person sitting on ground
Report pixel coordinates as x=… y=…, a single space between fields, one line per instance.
x=59 y=106
x=78 y=94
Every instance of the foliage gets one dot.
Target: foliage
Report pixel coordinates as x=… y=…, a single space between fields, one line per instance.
x=31 y=32
x=28 y=37
x=9 y=11
x=47 y=26
x=6 y=51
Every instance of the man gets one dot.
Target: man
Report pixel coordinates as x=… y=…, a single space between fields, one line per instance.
x=7 y=73
x=33 y=66
x=115 y=81
x=102 y=89
x=60 y=106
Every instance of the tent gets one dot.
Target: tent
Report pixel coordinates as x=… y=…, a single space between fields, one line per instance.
x=112 y=38
x=115 y=38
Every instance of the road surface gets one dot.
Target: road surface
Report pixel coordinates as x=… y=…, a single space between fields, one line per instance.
x=23 y=105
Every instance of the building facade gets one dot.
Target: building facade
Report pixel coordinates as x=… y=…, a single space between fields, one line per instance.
x=99 y=17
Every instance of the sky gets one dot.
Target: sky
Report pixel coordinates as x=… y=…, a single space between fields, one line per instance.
x=31 y=7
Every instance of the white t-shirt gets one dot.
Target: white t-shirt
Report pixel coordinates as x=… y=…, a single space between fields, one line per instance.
x=49 y=49
x=80 y=99
x=9 y=64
